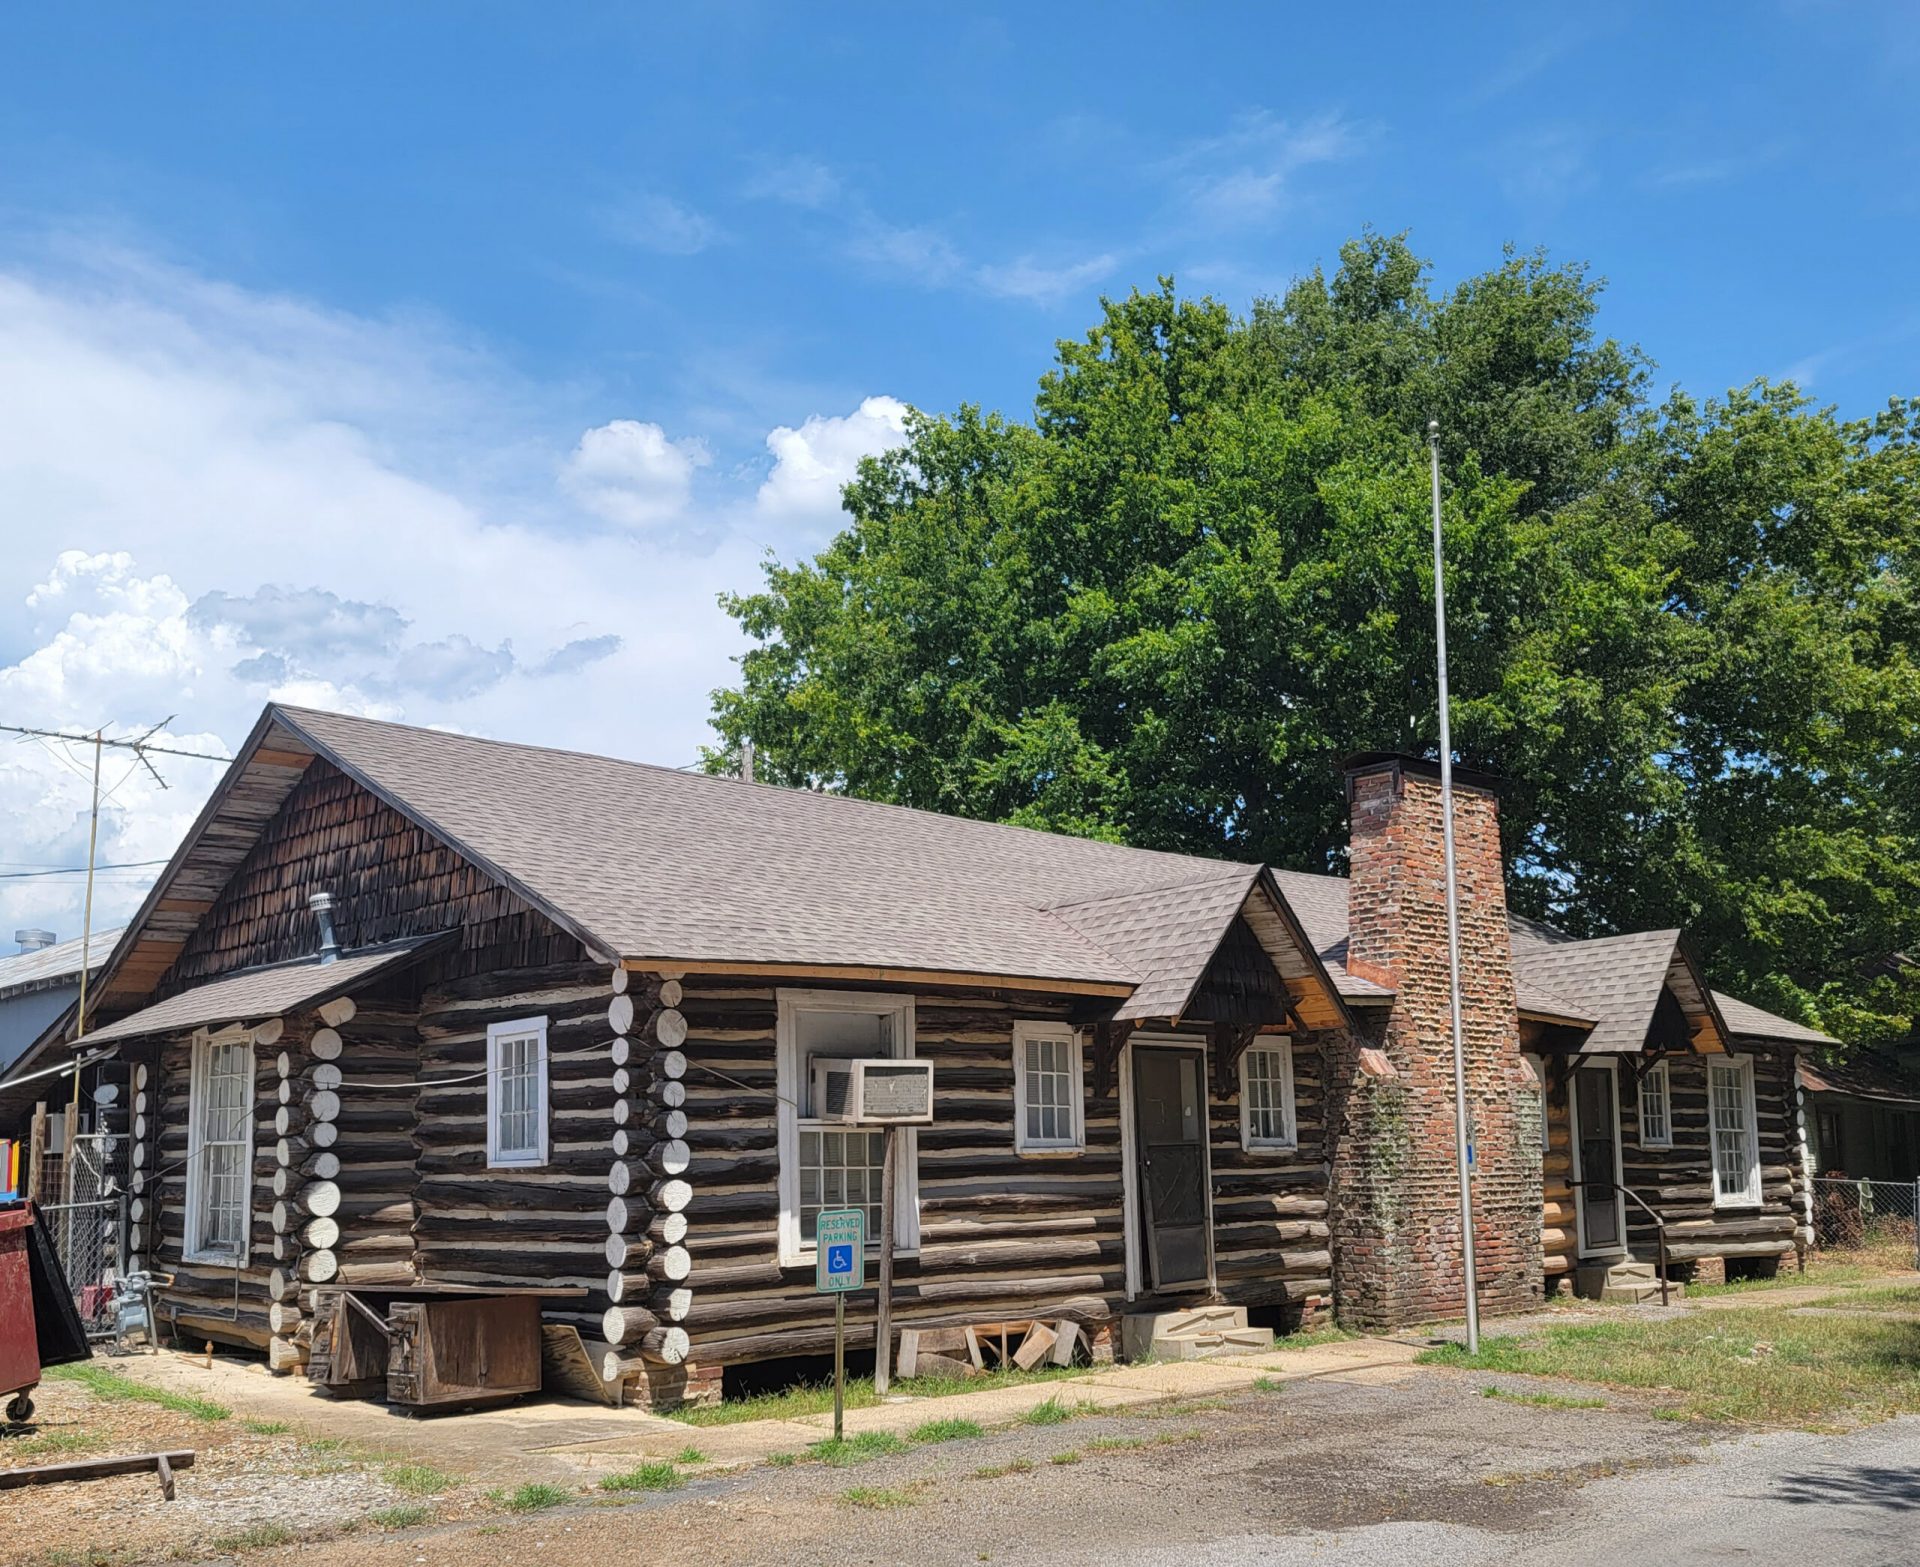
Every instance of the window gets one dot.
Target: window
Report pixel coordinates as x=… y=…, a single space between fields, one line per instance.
x=1736 y=1146
x=517 y=1093
x=828 y=1164
x=1048 y=1116
x=220 y=1154
x=1656 y=1108
x=1539 y=1065
x=1266 y=1097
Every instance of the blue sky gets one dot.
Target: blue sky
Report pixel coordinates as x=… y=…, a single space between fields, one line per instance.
x=445 y=361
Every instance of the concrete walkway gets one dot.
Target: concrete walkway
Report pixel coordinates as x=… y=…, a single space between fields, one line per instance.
x=1118 y=1388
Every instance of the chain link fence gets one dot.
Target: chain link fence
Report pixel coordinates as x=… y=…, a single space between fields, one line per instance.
x=1872 y=1218
x=85 y=1211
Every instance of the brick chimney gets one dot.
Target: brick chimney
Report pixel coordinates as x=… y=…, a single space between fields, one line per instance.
x=1397 y=1207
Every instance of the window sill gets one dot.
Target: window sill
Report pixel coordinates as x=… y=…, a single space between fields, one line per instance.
x=1270 y=1150
x=215 y=1259
x=1051 y=1151
x=1656 y=1147
x=516 y=1164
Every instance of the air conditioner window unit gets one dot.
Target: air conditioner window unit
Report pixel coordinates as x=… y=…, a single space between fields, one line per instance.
x=873 y=1092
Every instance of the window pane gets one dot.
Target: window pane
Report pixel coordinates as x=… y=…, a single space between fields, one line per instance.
x=1728 y=1104
x=1266 y=1099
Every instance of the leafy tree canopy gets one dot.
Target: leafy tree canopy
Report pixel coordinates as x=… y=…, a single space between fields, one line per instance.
x=1163 y=609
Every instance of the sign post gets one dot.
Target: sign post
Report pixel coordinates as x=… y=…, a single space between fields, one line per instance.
x=840 y=1265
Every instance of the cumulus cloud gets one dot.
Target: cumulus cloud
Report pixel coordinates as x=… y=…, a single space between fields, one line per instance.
x=630 y=473
x=218 y=497
x=811 y=465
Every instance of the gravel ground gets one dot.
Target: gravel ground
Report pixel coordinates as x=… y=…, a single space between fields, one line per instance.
x=1325 y=1455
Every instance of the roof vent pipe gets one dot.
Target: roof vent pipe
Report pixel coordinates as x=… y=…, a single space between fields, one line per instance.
x=322 y=905
x=34 y=940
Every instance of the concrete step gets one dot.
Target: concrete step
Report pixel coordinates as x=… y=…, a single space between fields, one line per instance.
x=1622 y=1272
x=1189 y=1334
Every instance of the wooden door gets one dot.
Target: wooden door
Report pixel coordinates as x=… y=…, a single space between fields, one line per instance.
x=1170 y=1116
x=1596 y=1131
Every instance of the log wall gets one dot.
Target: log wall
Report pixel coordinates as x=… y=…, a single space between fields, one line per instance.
x=1001 y=1234
x=540 y=1226
x=1678 y=1181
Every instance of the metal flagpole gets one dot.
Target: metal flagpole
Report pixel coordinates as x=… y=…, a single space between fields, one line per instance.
x=1463 y=1148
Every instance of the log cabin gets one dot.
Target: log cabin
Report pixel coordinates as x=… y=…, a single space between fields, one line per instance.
x=414 y=1011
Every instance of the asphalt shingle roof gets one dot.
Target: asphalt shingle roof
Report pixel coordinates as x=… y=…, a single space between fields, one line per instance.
x=54 y=965
x=263 y=992
x=652 y=863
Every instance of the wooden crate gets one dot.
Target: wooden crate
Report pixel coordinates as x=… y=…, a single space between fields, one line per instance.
x=463 y=1351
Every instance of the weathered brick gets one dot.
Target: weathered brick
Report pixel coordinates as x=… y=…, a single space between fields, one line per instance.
x=1396 y=1208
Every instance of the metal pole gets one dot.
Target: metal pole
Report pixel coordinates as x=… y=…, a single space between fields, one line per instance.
x=883 y=1315
x=839 y=1361
x=1463 y=1148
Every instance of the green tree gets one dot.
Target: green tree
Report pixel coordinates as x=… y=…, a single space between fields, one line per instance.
x=1166 y=607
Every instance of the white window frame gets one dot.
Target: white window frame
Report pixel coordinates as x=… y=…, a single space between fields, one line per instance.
x=1075 y=1141
x=1751 y=1196
x=517 y=1158
x=1282 y=1047
x=1658 y=1071
x=790 y=1091
x=202 y=1050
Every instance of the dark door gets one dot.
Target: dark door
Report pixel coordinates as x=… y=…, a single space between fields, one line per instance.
x=1170 y=1113
x=1596 y=1126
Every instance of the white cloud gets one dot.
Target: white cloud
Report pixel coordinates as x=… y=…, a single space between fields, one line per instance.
x=1029 y=279
x=216 y=497
x=630 y=473
x=811 y=465
x=1244 y=174
x=659 y=223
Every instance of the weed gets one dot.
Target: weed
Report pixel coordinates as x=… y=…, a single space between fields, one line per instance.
x=405 y=1516
x=689 y=1455
x=814 y=1398
x=1542 y=1400
x=1267 y=1384
x=1174 y=1438
x=51 y=1444
x=531 y=1497
x=1068 y=1457
x=257 y=1537
x=267 y=1427
x=783 y=1460
x=1115 y=1444
x=945 y=1431
x=104 y=1382
x=1053 y=1412
x=648 y=1477
x=416 y=1479
x=856 y=1449
x=1013 y=1466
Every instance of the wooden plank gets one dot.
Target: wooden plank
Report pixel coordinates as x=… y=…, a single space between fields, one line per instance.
x=100 y=1469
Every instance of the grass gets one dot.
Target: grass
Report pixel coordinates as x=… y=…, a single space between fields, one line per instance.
x=1115 y=1444
x=259 y=1537
x=1267 y=1384
x=1542 y=1400
x=1013 y=1466
x=783 y=1460
x=531 y=1497
x=689 y=1455
x=1756 y=1366
x=814 y=1398
x=1865 y=1265
x=267 y=1427
x=945 y=1431
x=1884 y=1297
x=648 y=1477
x=404 y=1516
x=1070 y=1456
x=1330 y=1334
x=856 y=1449
x=51 y=1444
x=416 y=1479
x=1053 y=1412
x=876 y=1496
x=103 y=1382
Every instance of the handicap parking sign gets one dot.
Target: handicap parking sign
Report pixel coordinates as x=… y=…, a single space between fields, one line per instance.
x=841 y=1238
